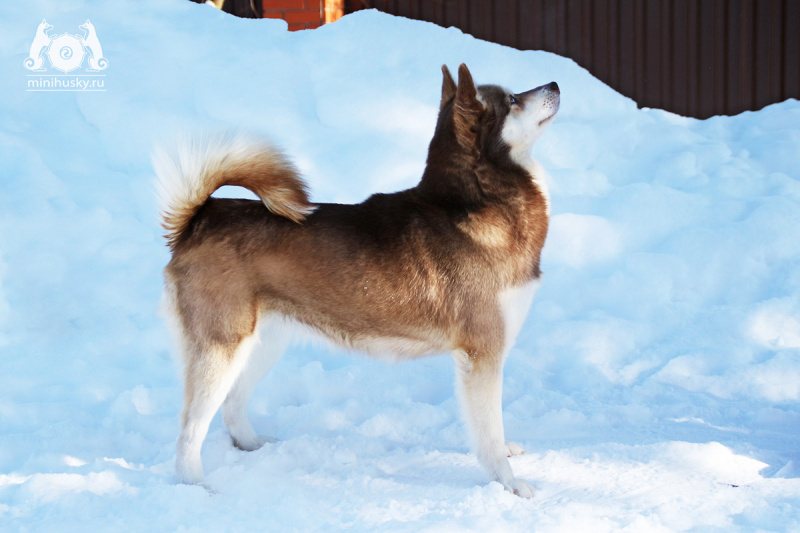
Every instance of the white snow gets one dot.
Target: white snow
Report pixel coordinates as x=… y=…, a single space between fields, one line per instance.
x=655 y=383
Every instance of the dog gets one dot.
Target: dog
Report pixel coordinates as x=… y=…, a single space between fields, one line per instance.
x=41 y=41
x=96 y=60
x=450 y=265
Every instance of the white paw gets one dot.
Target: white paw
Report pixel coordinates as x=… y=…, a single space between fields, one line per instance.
x=252 y=444
x=189 y=472
x=521 y=488
x=209 y=489
x=513 y=448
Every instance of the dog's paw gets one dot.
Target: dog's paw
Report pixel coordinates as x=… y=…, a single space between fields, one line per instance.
x=514 y=448
x=521 y=488
x=250 y=445
x=209 y=489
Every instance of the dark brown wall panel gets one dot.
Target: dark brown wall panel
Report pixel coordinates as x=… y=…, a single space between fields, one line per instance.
x=693 y=57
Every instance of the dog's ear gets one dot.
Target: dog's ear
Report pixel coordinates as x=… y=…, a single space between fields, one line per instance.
x=448 y=86
x=467 y=109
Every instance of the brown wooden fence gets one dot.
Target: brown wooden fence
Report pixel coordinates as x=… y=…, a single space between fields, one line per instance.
x=694 y=57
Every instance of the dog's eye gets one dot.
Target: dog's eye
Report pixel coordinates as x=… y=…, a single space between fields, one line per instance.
x=513 y=100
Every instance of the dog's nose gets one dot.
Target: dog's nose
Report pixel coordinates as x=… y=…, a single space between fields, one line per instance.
x=551 y=87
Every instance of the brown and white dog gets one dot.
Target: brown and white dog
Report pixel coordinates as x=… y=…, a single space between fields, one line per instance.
x=450 y=265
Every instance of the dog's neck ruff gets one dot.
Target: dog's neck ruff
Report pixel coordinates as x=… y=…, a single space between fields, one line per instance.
x=538 y=175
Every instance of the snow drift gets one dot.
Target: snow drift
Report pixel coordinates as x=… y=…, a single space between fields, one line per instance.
x=655 y=384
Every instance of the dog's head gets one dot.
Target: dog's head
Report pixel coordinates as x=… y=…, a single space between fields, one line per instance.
x=481 y=147
x=491 y=121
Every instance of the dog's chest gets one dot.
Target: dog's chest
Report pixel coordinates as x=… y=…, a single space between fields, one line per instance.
x=514 y=304
x=538 y=177
x=510 y=236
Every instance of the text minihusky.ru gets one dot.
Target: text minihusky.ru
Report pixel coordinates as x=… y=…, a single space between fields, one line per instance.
x=66 y=83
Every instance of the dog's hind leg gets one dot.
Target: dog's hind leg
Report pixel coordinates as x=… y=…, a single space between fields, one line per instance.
x=209 y=375
x=234 y=410
x=479 y=384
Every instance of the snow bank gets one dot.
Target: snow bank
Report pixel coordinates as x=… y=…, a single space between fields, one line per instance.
x=655 y=384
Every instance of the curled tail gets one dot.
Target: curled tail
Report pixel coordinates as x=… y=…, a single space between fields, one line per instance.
x=188 y=175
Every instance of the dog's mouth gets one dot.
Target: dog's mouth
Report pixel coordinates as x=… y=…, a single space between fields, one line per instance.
x=551 y=95
x=554 y=103
x=547 y=120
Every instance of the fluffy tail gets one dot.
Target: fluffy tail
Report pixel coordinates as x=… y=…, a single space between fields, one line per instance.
x=188 y=175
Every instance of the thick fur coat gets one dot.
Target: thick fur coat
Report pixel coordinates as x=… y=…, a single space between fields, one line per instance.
x=448 y=266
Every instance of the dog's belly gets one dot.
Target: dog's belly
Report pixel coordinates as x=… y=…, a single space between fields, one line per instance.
x=278 y=327
x=395 y=348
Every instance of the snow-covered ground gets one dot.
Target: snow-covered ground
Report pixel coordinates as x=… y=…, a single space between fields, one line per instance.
x=655 y=384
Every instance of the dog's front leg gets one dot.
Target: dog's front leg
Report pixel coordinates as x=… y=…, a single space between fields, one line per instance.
x=479 y=384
